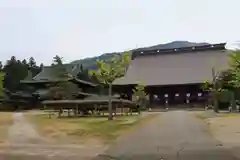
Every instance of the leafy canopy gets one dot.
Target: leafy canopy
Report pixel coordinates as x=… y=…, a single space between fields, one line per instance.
x=1 y=83
x=139 y=91
x=63 y=89
x=111 y=69
x=57 y=60
x=234 y=62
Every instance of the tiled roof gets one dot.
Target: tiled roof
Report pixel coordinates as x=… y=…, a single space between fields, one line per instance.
x=50 y=74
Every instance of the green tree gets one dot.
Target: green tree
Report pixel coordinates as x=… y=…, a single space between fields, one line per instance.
x=41 y=66
x=14 y=71
x=57 y=60
x=140 y=95
x=110 y=70
x=215 y=88
x=32 y=62
x=63 y=89
x=234 y=62
x=1 y=66
x=1 y=83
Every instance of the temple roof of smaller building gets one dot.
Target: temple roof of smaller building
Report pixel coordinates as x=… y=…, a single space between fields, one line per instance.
x=50 y=75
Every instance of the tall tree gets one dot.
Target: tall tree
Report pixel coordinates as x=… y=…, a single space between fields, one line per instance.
x=1 y=66
x=81 y=68
x=41 y=66
x=57 y=60
x=1 y=83
x=32 y=62
x=15 y=70
x=234 y=62
x=110 y=70
x=63 y=89
x=33 y=66
x=214 y=88
x=13 y=59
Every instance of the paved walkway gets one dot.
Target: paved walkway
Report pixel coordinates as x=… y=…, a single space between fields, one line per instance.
x=173 y=135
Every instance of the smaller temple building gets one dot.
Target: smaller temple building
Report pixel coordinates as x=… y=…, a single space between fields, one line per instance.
x=33 y=90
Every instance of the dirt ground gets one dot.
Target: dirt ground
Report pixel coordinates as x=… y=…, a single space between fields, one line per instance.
x=225 y=129
x=26 y=141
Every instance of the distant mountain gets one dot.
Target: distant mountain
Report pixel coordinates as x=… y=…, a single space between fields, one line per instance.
x=174 y=44
x=90 y=63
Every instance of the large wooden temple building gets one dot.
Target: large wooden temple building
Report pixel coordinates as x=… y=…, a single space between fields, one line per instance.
x=173 y=76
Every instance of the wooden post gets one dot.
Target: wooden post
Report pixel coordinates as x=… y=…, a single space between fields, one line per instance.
x=75 y=112
x=166 y=101
x=49 y=114
x=60 y=113
x=68 y=112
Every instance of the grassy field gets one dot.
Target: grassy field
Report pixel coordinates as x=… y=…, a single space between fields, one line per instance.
x=5 y=122
x=82 y=130
x=229 y=115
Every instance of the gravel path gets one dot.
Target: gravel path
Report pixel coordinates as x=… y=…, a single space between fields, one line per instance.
x=172 y=135
x=22 y=131
x=26 y=143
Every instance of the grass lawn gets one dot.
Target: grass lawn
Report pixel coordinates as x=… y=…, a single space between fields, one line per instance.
x=80 y=130
x=229 y=115
x=5 y=122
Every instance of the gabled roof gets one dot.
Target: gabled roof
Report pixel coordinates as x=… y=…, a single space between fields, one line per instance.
x=178 y=66
x=50 y=75
x=198 y=48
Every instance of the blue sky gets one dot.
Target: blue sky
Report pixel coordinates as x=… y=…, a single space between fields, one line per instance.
x=76 y=29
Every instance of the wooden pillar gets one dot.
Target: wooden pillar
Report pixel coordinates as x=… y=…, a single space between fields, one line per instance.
x=68 y=112
x=151 y=99
x=60 y=112
x=76 y=110
x=166 y=99
x=121 y=111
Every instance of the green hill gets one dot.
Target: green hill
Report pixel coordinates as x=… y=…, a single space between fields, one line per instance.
x=90 y=62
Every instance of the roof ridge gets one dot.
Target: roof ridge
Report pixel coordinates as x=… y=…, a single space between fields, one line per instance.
x=218 y=46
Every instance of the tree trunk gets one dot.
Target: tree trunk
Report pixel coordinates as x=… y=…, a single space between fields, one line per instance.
x=215 y=92
x=110 y=114
x=215 y=102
